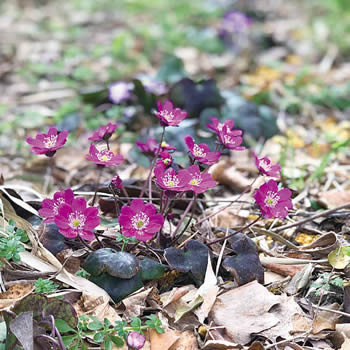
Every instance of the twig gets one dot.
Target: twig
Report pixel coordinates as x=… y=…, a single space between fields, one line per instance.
x=277 y=237
x=324 y=213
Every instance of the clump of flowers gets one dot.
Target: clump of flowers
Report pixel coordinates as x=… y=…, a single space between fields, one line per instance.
x=140 y=220
x=48 y=143
x=104 y=132
x=168 y=115
x=49 y=207
x=273 y=203
x=77 y=220
x=104 y=157
x=201 y=152
x=120 y=91
x=265 y=166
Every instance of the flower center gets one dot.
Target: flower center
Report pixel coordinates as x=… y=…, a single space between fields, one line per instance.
x=263 y=164
x=198 y=151
x=170 y=180
x=166 y=161
x=50 y=141
x=105 y=156
x=271 y=199
x=196 y=180
x=140 y=221
x=167 y=115
x=76 y=220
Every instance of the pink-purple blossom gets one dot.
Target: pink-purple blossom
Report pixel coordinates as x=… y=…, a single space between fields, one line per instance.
x=201 y=152
x=265 y=166
x=104 y=132
x=151 y=146
x=135 y=340
x=120 y=91
x=199 y=182
x=104 y=157
x=168 y=115
x=117 y=183
x=140 y=220
x=49 y=207
x=48 y=143
x=273 y=203
x=228 y=136
x=77 y=219
x=171 y=180
x=165 y=159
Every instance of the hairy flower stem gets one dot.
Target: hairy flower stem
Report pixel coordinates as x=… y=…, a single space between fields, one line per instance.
x=226 y=206
x=234 y=233
x=85 y=244
x=188 y=208
x=149 y=179
x=49 y=175
x=97 y=184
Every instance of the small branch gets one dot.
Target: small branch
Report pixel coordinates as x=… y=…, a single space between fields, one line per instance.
x=318 y=215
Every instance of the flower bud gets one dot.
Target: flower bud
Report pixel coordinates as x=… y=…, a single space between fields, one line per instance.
x=135 y=340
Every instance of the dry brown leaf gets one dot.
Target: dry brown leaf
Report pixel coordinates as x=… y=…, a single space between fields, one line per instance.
x=187 y=341
x=175 y=294
x=220 y=345
x=334 y=199
x=245 y=310
x=97 y=306
x=225 y=173
x=135 y=304
x=71 y=263
x=16 y=292
x=284 y=270
x=163 y=341
x=226 y=218
x=325 y=319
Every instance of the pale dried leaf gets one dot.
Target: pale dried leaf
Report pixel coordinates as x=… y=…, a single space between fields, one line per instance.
x=325 y=319
x=135 y=304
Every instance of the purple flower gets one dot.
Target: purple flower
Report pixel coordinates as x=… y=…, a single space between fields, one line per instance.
x=168 y=115
x=104 y=132
x=272 y=202
x=120 y=91
x=48 y=143
x=153 y=86
x=265 y=167
x=171 y=180
x=235 y=22
x=150 y=146
x=104 y=157
x=199 y=182
x=49 y=207
x=77 y=220
x=117 y=183
x=140 y=220
x=201 y=152
x=135 y=340
x=165 y=160
x=229 y=137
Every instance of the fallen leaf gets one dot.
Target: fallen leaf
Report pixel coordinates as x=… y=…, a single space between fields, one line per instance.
x=135 y=304
x=300 y=280
x=244 y=311
x=163 y=341
x=334 y=199
x=22 y=328
x=221 y=345
x=339 y=258
x=97 y=306
x=325 y=319
x=15 y=293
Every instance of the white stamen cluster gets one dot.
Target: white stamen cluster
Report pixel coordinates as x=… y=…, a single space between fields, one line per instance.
x=50 y=141
x=57 y=204
x=198 y=151
x=76 y=220
x=140 y=221
x=271 y=199
x=170 y=180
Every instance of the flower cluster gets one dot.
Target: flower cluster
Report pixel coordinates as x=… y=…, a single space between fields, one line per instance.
x=71 y=215
x=140 y=220
x=48 y=143
x=265 y=166
x=201 y=152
